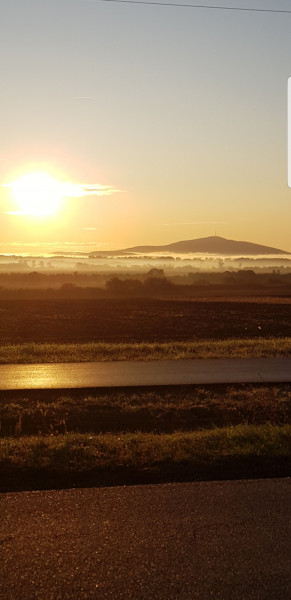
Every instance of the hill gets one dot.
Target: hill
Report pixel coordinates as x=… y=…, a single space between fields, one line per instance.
x=208 y=245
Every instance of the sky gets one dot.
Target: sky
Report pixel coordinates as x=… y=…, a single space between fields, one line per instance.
x=160 y=123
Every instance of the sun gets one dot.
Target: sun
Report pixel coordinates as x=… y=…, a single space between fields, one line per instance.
x=37 y=194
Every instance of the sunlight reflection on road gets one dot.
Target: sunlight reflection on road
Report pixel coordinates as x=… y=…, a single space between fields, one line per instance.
x=144 y=373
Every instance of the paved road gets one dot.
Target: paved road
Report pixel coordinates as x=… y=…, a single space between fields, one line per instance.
x=144 y=373
x=222 y=540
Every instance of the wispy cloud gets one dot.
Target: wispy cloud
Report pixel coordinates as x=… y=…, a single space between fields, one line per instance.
x=86 y=189
x=37 y=189
x=83 y=97
x=90 y=228
x=39 y=183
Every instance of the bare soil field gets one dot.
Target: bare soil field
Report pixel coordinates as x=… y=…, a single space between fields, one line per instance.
x=141 y=320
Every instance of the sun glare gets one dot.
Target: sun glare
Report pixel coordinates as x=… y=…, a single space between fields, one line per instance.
x=37 y=194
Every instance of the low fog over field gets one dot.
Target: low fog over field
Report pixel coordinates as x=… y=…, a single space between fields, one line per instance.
x=143 y=271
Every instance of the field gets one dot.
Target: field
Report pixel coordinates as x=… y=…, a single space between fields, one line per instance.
x=30 y=353
x=55 y=439
x=141 y=320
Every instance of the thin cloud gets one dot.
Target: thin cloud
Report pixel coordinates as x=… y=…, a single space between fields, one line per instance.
x=85 y=189
x=38 y=185
x=73 y=190
x=90 y=228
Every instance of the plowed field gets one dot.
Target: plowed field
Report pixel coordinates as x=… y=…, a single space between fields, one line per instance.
x=140 y=320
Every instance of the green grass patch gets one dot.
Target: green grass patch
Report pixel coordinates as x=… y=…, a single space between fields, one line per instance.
x=234 y=450
x=159 y=410
x=29 y=353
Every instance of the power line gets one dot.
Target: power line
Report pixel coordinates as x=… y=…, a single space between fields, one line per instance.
x=238 y=8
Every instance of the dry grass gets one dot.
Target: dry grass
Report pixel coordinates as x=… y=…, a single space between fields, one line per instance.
x=84 y=452
x=30 y=353
x=159 y=410
x=146 y=435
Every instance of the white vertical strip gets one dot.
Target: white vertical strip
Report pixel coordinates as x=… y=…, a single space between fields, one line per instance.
x=289 y=132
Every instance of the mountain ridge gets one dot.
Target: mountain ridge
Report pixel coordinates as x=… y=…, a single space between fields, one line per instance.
x=208 y=245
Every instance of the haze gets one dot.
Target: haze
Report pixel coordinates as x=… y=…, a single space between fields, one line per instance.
x=182 y=112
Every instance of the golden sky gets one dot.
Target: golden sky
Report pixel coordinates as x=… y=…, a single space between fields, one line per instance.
x=151 y=124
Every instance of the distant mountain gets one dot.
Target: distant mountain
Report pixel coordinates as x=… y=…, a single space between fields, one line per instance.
x=210 y=245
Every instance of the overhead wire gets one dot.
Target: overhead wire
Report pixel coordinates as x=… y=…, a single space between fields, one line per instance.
x=207 y=6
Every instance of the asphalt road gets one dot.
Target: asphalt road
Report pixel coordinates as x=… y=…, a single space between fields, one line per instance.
x=222 y=540
x=144 y=373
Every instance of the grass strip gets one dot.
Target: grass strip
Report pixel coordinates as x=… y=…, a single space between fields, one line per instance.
x=74 y=459
x=160 y=410
x=29 y=353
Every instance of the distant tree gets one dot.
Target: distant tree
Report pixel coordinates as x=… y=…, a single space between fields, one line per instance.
x=156 y=286
x=124 y=287
x=69 y=286
x=156 y=273
x=114 y=285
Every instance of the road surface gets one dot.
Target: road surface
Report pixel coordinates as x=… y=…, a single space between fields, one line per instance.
x=222 y=540
x=144 y=373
